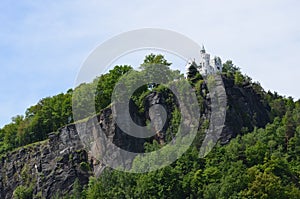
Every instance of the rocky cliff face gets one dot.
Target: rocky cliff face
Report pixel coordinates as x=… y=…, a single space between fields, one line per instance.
x=46 y=168
x=245 y=110
x=52 y=166
x=105 y=140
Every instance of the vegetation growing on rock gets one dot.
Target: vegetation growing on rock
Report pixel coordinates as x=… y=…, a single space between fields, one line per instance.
x=260 y=161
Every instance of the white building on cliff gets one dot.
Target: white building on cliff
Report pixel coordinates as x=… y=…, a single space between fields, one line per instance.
x=206 y=66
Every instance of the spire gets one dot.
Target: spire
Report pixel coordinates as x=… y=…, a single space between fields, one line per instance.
x=203 y=49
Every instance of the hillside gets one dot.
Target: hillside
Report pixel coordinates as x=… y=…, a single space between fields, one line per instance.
x=257 y=156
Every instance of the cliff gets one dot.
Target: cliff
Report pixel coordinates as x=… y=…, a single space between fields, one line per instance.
x=246 y=109
x=51 y=167
x=46 y=168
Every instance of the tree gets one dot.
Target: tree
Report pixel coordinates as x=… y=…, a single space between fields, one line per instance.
x=157 y=67
x=264 y=185
x=229 y=69
x=290 y=127
x=106 y=84
x=238 y=78
x=193 y=74
x=154 y=59
x=77 y=189
x=22 y=192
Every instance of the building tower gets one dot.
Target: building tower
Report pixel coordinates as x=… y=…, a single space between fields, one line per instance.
x=204 y=62
x=206 y=66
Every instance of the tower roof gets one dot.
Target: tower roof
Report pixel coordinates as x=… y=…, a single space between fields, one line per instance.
x=202 y=49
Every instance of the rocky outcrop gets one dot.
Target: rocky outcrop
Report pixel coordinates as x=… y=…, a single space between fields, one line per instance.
x=106 y=141
x=46 y=168
x=159 y=115
x=51 y=167
x=245 y=110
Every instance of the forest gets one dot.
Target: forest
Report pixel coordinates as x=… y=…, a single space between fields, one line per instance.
x=262 y=162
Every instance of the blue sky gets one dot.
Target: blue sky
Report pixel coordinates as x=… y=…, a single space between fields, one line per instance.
x=43 y=43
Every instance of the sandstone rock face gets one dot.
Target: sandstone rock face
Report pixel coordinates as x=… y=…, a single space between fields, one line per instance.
x=106 y=142
x=52 y=166
x=160 y=116
x=245 y=109
x=49 y=167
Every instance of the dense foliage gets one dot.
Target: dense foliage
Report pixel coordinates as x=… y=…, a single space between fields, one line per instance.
x=264 y=163
x=260 y=164
x=52 y=113
x=46 y=116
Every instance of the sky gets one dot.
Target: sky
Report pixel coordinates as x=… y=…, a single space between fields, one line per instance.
x=44 y=43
